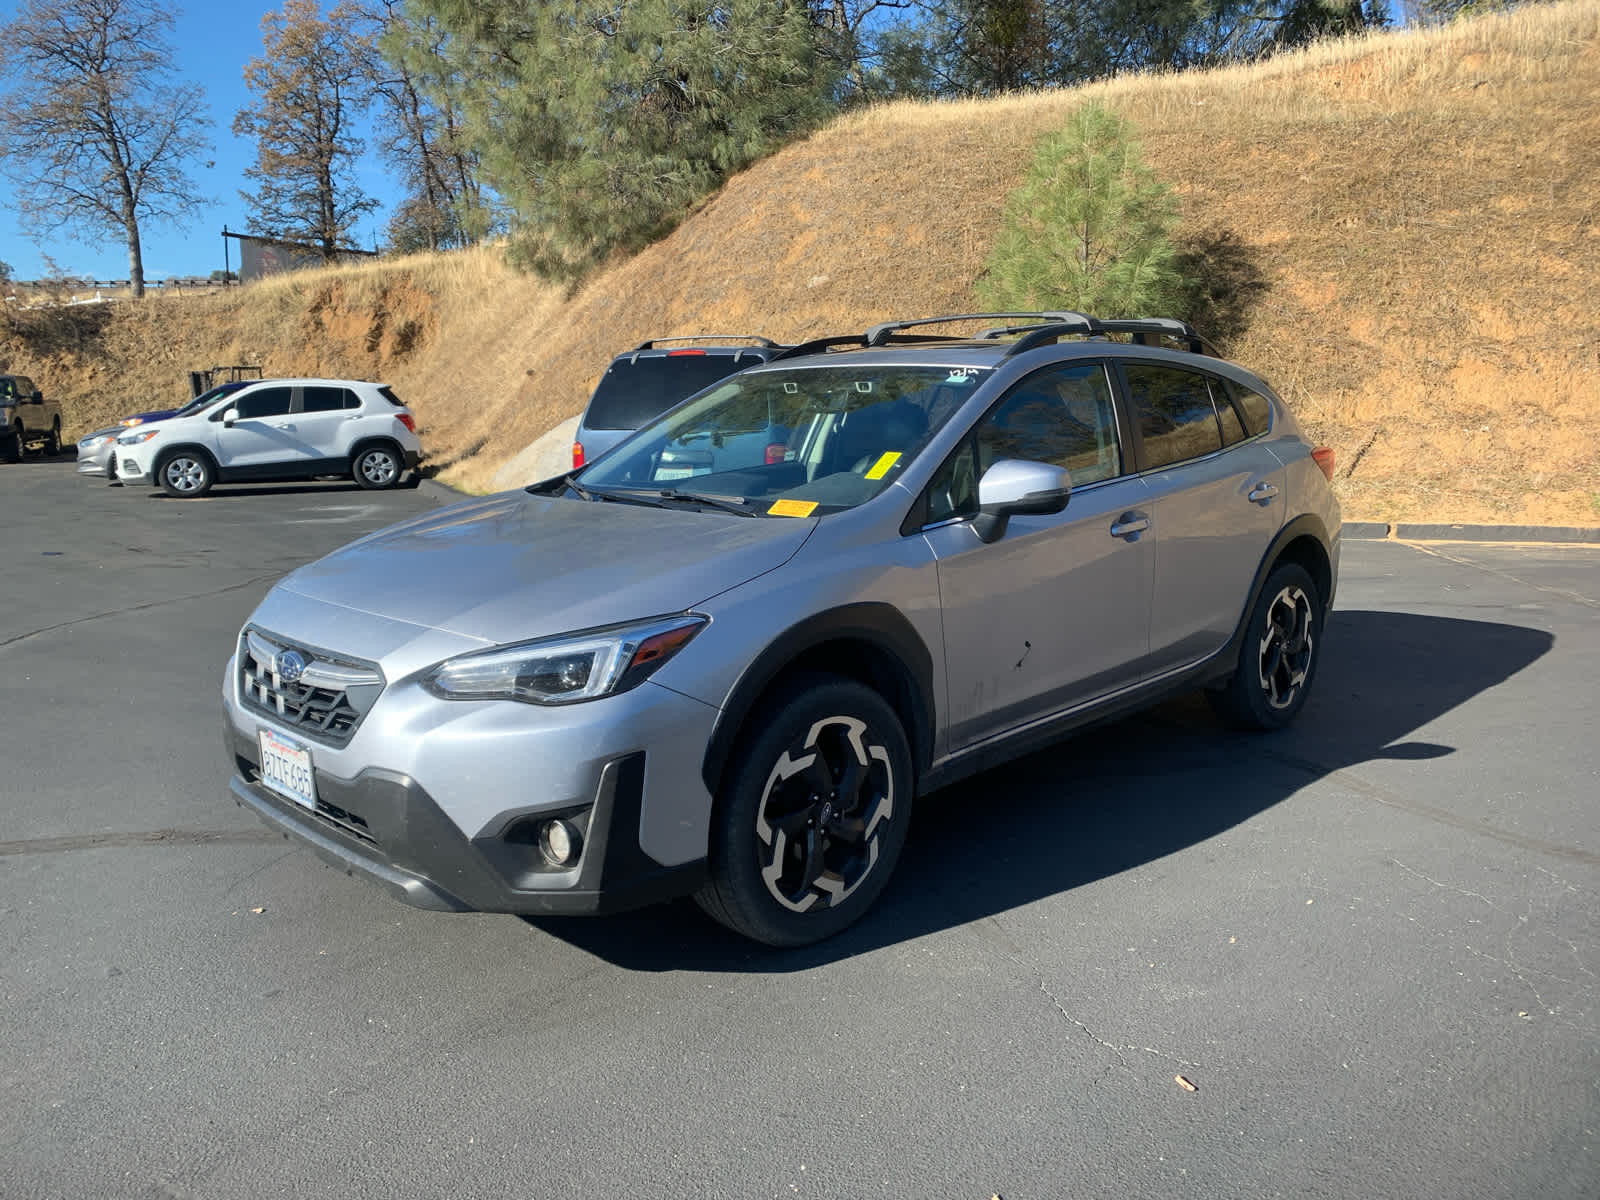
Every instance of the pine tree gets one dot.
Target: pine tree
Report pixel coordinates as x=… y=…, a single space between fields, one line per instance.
x=1089 y=229
x=601 y=127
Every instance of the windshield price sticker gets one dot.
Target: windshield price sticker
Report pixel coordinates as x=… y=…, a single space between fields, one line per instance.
x=792 y=508
x=884 y=463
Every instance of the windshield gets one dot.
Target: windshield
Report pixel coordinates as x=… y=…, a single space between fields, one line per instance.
x=798 y=442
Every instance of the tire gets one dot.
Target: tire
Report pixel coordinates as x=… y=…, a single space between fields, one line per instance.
x=52 y=440
x=185 y=474
x=793 y=860
x=377 y=467
x=1278 y=661
x=11 y=445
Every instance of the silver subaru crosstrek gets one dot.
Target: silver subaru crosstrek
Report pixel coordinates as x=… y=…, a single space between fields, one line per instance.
x=726 y=659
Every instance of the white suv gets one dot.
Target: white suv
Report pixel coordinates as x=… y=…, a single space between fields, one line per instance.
x=277 y=429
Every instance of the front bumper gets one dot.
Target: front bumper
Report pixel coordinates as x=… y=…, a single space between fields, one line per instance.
x=99 y=462
x=384 y=826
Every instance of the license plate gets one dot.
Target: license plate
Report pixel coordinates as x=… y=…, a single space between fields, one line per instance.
x=286 y=769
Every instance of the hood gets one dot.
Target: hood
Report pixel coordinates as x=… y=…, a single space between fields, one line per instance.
x=144 y=418
x=515 y=566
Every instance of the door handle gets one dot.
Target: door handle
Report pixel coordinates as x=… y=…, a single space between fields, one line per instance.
x=1262 y=492
x=1130 y=525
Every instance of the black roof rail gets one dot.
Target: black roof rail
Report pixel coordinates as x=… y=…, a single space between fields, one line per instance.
x=1144 y=331
x=818 y=345
x=879 y=334
x=1031 y=329
x=705 y=337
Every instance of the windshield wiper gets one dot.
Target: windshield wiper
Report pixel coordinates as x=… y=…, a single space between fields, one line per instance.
x=660 y=497
x=583 y=492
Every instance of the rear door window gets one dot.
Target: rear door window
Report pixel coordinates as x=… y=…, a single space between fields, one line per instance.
x=1173 y=411
x=327 y=399
x=633 y=392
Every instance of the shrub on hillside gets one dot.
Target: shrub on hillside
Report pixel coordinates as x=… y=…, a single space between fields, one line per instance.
x=1089 y=229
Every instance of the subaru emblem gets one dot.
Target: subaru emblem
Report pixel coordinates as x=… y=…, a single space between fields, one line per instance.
x=288 y=665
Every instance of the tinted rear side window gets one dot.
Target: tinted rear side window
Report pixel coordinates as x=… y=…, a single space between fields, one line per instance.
x=1255 y=408
x=631 y=393
x=1174 y=413
x=327 y=399
x=388 y=394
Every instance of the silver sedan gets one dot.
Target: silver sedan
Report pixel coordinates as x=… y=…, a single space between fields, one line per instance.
x=97 y=453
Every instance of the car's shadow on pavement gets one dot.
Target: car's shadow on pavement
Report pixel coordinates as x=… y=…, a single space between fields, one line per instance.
x=1117 y=796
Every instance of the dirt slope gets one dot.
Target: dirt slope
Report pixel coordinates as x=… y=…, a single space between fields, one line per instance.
x=1402 y=233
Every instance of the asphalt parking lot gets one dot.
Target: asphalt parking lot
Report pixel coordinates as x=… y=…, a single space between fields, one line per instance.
x=1369 y=943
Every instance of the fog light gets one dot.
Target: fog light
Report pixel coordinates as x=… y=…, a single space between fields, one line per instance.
x=559 y=842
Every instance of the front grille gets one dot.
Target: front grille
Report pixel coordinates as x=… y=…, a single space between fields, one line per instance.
x=325 y=701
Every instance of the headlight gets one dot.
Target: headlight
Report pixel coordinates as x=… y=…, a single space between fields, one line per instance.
x=133 y=439
x=131 y=421
x=91 y=443
x=569 y=668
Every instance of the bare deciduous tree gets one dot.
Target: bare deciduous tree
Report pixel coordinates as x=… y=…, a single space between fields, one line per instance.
x=309 y=83
x=95 y=133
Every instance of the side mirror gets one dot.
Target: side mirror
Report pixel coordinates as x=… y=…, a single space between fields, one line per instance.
x=1017 y=487
x=37 y=398
x=229 y=417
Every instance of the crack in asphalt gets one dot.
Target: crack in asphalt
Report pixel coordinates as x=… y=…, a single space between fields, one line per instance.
x=153 y=837
x=117 y=612
x=1575 y=597
x=1444 y=816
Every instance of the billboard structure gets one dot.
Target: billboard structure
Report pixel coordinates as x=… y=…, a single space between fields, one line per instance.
x=263 y=256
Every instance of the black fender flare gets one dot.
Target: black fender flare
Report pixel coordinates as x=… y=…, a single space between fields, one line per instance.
x=1307 y=525
x=879 y=625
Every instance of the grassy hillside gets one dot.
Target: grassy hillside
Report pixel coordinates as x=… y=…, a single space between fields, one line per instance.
x=1402 y=233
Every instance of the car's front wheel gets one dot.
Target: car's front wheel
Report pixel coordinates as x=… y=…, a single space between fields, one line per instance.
x=377 y=467
x=812 y=815
x=185 y=475
x=11 y=444
x=1278 y=660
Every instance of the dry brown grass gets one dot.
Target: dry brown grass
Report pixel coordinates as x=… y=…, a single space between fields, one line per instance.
x=1401 y=231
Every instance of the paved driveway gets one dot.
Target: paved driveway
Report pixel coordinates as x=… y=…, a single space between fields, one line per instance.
x=1370 y=942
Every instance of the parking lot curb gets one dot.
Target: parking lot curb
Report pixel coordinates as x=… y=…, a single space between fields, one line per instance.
x=1402 y=532
x=440 y=493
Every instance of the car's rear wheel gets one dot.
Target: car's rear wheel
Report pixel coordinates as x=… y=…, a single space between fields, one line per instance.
x=185 y=475
x=52 y=440
x=811 y=818
x=1278 y=660
x=377 y=467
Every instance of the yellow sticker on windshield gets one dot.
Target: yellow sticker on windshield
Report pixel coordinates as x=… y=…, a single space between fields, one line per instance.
x=881 y=467
x=792 y=508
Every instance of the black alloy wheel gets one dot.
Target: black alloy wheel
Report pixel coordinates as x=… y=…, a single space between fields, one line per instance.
x=813 y=816
x=1278 y=660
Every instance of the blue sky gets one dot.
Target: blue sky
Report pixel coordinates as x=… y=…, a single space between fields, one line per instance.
x=211 y=43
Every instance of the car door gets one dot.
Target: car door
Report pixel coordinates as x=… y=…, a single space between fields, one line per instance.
x=322 y=419
x=1218 y=499
x=1054 y=613
x=263 y=436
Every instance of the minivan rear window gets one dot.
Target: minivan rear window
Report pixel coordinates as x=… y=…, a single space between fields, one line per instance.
x=634 y=391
